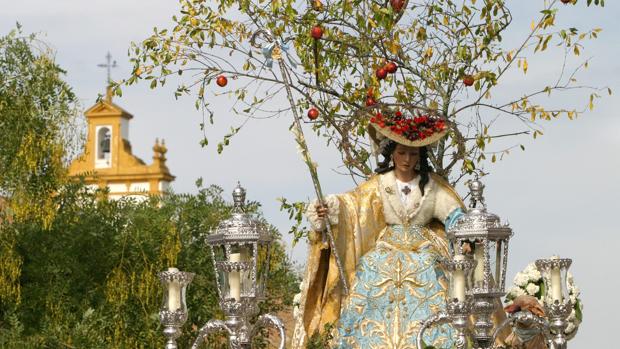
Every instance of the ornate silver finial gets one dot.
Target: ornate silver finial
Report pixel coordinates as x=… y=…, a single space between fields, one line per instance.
x=239 y=196
x=475 y=189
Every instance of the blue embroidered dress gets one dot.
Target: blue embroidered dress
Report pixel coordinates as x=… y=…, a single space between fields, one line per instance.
x=397 y=283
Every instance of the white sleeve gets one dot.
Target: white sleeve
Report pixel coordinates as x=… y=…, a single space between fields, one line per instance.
x=333 y=207
x=445 y=202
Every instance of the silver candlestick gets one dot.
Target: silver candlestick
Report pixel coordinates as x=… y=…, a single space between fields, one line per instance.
x=459 y=303
x=173 y=313
x=558 y=305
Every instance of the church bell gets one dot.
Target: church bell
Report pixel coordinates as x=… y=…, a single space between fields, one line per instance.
x=105 y=143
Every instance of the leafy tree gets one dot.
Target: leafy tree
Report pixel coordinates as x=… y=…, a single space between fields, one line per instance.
x=331 y=52
x=89 y=279
x=37 y=113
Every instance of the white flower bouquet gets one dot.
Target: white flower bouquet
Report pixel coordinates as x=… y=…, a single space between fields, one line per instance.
x=530 y=282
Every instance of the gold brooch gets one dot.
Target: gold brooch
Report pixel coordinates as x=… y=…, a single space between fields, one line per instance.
x=389 y=190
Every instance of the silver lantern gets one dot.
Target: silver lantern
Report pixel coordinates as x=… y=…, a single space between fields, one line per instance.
x=240 y=248
x=489 y=238
x=479 y=241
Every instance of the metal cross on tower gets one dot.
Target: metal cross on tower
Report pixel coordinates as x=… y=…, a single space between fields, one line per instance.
x=109 y=65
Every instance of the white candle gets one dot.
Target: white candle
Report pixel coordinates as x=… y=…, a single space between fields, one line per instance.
x=556 y=285
x=479 y=271
x=174 y=293
x=458 y=278
x=234 y=278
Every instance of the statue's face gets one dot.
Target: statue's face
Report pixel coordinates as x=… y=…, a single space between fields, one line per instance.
x=405 y=158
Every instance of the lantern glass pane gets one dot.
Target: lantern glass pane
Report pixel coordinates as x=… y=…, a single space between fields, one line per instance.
x=493 y=263
x=223 y=282
x=183 y=298
x=469 y=279
x=263 y=265
x=555 y=281
x=564 y=283
x=174 y=297
x=236 y=259
x=247 y=258
x=478 y=275
x=497 y=271
x=164 y=304
x=219 y=252
x=450 y=286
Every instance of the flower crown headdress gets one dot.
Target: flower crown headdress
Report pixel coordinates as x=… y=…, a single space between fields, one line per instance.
x=411 y=130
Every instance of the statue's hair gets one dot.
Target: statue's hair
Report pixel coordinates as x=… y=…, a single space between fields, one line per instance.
x=423 y=167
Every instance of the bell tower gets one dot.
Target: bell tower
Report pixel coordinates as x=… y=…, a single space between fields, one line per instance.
x=107 y=161
x=108 y=129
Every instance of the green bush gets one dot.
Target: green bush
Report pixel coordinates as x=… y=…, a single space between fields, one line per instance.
x=89 y=279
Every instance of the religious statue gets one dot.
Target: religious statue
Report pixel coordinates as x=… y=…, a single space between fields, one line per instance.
x=389 y=233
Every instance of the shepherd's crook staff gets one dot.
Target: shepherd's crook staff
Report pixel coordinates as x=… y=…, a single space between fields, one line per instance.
x=301 y=141
x=274 y=50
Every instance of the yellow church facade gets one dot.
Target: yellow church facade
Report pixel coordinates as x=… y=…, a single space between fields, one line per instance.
x=107 y=161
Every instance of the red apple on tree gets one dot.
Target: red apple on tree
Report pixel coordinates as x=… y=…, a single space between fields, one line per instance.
x=397 y=5
x=381 y=73
x=391 y=67
x=221 y=81
x=316 y=32
x=313 y=113
x=468 y=80
x=370 y=101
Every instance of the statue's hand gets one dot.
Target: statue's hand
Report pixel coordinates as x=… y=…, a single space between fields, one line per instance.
x=321 y=211
x=467 y=248
x=525 y=303
x=317 y=213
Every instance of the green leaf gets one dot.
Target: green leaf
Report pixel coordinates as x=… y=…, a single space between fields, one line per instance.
x=578 y=311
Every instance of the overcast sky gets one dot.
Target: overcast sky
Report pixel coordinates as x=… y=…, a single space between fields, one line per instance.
x=560 y=195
